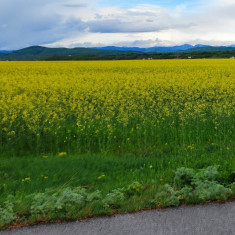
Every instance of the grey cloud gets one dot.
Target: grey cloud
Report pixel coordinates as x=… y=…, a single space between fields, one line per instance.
x=143 y=43
x=30 y=22
x=118 y=26
x=121 y=26
x=125 y=20
x=149 y=20
x=135 y=43
x=223 y=11
x=40 y=22
x=211 y=42
x=26 y=23
x=76 y=5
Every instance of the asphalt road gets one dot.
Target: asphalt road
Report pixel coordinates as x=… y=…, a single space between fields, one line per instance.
x=209 y=219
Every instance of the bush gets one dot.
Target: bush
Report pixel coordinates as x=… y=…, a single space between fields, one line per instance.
x=43 y=203
x=7 y=214
x=184 y=176
x=211 y=190
x=114 y=198
x=186 y=194
x=209 y=173
x=194 y=186
x=167 y=197
x=232 y=186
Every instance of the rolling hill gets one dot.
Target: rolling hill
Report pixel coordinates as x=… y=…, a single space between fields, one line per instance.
x=111 y=52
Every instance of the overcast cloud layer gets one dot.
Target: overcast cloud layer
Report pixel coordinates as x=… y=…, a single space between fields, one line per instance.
x=75 y=23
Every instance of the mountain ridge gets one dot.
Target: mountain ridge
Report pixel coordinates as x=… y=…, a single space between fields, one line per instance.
x=41 y=52
x=154 y=49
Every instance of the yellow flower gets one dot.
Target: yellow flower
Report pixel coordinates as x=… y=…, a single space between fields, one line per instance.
x=26 y=179
x=62 y=154
x=191 y=147
x=101 y=176
x=104 y=98
x=180 y=196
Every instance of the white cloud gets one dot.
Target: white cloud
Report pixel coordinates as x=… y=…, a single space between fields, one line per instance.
x=36 y=22
x=76 y=22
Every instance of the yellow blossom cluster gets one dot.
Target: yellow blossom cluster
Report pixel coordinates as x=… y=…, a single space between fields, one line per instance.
x=102 y=106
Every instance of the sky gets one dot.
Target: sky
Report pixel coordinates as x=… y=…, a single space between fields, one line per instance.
x=130 y=23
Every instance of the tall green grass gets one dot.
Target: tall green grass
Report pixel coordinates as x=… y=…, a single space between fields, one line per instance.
x=23 y=177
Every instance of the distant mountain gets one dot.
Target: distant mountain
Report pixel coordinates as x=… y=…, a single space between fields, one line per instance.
x=5 y=52
x=45 y=51
x=41 y=53
x=211 y=48
x=181 y=48
x=173 y=48
x=114 y=48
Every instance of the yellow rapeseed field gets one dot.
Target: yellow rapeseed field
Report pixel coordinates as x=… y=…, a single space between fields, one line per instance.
x=115 y=106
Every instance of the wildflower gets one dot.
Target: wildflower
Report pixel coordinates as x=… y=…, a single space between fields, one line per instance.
x=62 y=154
x=26 y=179
x=45 y=157
x=191 y=147
x=12 y=133
x=101 y=176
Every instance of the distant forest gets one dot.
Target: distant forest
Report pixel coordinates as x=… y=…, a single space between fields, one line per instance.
x=38 y=53
x=139 y=56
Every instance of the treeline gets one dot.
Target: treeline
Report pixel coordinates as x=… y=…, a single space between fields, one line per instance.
x=139 y=56
x=92 y=54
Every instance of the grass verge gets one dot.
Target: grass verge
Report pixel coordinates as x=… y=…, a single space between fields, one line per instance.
x=48 y=188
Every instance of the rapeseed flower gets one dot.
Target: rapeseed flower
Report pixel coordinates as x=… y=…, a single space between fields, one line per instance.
x=101 y=176
x=99 y=106
x=62 y=154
